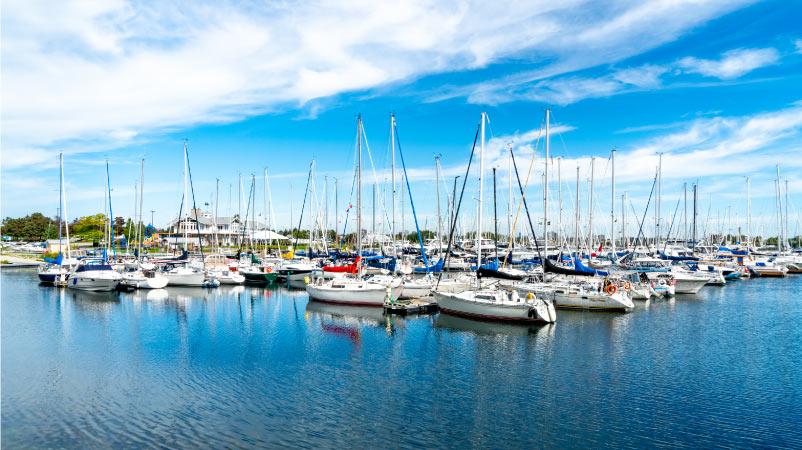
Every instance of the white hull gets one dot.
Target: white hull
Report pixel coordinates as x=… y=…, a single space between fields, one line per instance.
x=185 y=279
x=682 y=286
x=566 y=298
x=140 y=281
x=94 y=281
x=350 y=292
x=468 y=304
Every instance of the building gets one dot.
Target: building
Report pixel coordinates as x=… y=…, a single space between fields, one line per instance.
x=226 y=231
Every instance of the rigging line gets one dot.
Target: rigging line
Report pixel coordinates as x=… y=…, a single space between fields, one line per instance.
x=641 y=222
x=303 y=206
x=523 y=193
x=373 y=169
x=456 y=210
x=526 y=207
x=414 y=215
x=670 y=227
x=195 y=207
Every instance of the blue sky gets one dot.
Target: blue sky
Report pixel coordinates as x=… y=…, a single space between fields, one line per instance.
x=714 y=86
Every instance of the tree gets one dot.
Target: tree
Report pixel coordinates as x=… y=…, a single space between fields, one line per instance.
x=34 y=227
x=89 y=227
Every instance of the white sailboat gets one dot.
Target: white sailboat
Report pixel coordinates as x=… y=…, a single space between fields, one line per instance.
x=354 y=291
x=492 y=303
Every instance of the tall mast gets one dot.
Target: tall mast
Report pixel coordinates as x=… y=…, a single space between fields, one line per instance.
x=509 y=194
x=748 y=217
x=576 y=219
x=326 y=205
x=481 y=188
x=591 y=243
x=239 y=196
x=336 y=214
x=612 y=202
x=439 y=222
x=64 y=204
x=141 y=197
x=560 y=201
x=186 y=194
x=659 y=198
x=60 y=197
x=311 y=196
x=625 y=242
x=292 y=234
x=392 y=174
x=106 y=214
x=359 y=193
x=779 y=212
x=785 y=228
x=373 y=210
x=495 y=216
x=546 y=194
x=267 y=227
x=695 y=212
x=216 y=201
x=685 y=209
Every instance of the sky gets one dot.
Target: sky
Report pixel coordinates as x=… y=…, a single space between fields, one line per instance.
x=713 y=86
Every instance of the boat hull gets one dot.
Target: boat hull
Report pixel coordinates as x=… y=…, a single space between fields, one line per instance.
x=372 y=296
x=94 y=282
x=452 y=303
x=189 y=279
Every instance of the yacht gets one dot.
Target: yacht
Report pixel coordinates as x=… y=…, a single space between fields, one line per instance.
x=94 y=275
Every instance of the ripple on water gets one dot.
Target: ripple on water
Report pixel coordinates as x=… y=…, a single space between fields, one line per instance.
x=252 y=367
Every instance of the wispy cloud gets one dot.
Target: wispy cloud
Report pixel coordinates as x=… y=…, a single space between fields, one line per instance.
x=104 y=74
x=732 y=64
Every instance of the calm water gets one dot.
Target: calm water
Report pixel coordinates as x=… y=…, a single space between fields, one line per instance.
x=252 y=367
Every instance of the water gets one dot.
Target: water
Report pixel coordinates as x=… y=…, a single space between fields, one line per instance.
x=253 y=367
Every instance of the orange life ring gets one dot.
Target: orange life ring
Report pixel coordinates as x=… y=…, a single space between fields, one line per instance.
x=269 y=269
x=611 y=289
x=627 y=285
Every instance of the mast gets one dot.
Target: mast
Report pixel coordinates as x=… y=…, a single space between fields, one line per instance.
x=509 y=194
x=326 y=206
x=495 y=216
x=292 y=234
x=216 y=201
x=141 y=197
x=267 y=228
x=591 y=243
x=695 y=213
x=311 y=218
x=625 y=242
x=481 y=188
x=359 y=193
x=392 y=174
x=659 y=199
x=779 y=212
x=186 y=195
x=748 y=217
x=373 y=225
x=439 y=222
x=560 y=201
x=64 y=204
x=546 y=194
x=60 y=197
x=612 y=202
x=785 y=228
x=336 y=215
x=576 y=220
x=685 y=209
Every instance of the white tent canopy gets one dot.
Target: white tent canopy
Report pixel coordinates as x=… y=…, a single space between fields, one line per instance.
x=267 y=235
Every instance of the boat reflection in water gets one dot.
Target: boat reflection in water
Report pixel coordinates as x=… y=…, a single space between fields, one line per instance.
x=487 y=327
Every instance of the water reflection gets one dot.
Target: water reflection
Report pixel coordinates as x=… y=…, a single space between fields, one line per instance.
x=481 y=327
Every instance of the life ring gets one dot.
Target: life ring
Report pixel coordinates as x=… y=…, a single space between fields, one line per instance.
x=611 y=289
x=269 y=269
x=627 y=285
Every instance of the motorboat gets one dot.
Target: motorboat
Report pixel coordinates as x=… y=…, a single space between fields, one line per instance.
x=94 y=275
x=185 y=275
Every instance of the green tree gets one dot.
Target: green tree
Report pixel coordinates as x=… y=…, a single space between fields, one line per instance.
x=32 y=227
x=89 y=228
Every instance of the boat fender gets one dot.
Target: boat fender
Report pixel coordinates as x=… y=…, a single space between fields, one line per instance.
x=611 y=289
x=529 y=296
x=306 y=280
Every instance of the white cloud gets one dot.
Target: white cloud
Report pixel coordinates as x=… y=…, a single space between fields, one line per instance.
x=105 y=73
x=732 y=64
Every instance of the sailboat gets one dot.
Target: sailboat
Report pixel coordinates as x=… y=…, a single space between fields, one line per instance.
x=143 y=276
x=490 y=302
x=182 y=273
x=56 y=271
x=97 y=274
x=355 y=290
